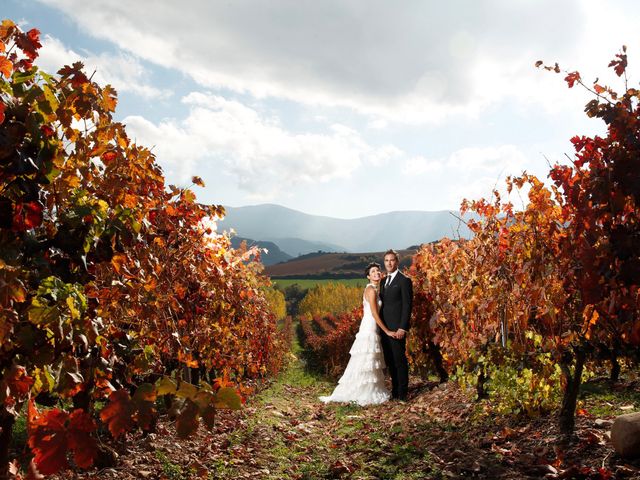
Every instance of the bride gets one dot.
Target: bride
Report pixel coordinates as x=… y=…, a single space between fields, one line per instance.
x=363 y=379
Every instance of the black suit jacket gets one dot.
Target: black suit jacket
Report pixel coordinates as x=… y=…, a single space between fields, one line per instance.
x=397 y=300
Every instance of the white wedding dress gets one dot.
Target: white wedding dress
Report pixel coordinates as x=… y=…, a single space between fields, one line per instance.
x=363 y=379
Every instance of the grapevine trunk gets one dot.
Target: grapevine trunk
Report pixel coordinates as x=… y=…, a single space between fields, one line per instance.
x=570 y=397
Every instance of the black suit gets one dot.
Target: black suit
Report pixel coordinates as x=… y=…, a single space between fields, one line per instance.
x=396 y=313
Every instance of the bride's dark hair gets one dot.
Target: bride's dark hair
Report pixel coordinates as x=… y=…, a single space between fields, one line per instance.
x=369 y=267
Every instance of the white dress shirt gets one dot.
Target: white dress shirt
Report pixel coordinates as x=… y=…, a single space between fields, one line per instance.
x=390 y=277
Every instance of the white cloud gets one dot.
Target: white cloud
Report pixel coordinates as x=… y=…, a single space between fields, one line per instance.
x=420 y=165
x=124 y=72
x=471 y=173
x=406 y=62
x=263 y=157
x=504 y=158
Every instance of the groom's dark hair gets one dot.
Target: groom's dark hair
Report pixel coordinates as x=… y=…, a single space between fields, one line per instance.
x=391 y=251
x=369 y=267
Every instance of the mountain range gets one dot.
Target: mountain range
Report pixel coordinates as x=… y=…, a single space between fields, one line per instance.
x=296 y=233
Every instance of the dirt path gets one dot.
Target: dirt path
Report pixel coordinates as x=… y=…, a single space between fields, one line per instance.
x=284 y=432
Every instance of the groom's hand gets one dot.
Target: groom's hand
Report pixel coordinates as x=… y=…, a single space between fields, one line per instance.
x=400 y=334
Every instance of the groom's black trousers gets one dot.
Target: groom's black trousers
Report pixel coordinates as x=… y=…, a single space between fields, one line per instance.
x=395 y=356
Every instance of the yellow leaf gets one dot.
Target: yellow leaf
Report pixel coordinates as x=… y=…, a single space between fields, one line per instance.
x=227 y=397
x=165 y=386
x=187 y=390
x=75 y=313
x=6 y=29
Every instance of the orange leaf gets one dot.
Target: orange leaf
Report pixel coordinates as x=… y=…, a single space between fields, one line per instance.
x=187 y=359
x=6 y=67
x=118 y=260
x=110 y=99
x=180 y=291
x=151 y=284
x=130 y=201
x=6 y=29
x=18 y=381
x=118 y=414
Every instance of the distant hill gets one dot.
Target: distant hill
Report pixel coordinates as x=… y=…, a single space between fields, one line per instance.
x=274 y=254
x=299 y=233
x=327 y=265
x=297 y=246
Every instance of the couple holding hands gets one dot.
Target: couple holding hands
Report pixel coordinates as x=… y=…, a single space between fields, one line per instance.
x=381 y=339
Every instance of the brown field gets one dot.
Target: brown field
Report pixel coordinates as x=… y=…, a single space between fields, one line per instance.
x=332 y=264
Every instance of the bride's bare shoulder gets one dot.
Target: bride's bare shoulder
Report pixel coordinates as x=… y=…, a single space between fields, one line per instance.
x=369 y=290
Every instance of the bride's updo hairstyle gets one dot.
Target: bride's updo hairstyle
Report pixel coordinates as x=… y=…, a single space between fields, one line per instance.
x=369 y=267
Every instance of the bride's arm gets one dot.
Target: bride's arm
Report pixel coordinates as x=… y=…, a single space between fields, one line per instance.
x=370 y=295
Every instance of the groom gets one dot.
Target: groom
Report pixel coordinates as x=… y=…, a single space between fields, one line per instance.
x=396 y=293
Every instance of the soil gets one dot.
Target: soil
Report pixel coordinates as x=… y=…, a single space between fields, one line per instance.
x=284 y=432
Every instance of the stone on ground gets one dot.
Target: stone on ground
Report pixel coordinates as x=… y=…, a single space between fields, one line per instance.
x=625 y=435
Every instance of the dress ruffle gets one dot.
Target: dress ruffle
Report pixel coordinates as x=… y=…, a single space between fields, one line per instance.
x=366 y=342
x=363 y=379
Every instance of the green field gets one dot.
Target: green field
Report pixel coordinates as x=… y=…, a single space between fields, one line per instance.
x=306 y=283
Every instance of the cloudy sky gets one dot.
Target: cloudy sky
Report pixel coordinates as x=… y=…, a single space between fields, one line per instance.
x=344 y=108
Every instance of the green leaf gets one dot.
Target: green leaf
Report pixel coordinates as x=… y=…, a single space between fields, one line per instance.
x=22 y=77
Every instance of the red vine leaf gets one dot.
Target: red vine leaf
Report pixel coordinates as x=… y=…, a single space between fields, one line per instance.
x=118 y=413
x=197 y=181
x=29 y=43
x=27 y=216
x=55 y=433
x=572 y=78
x=619 y=63
x=187 y=421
